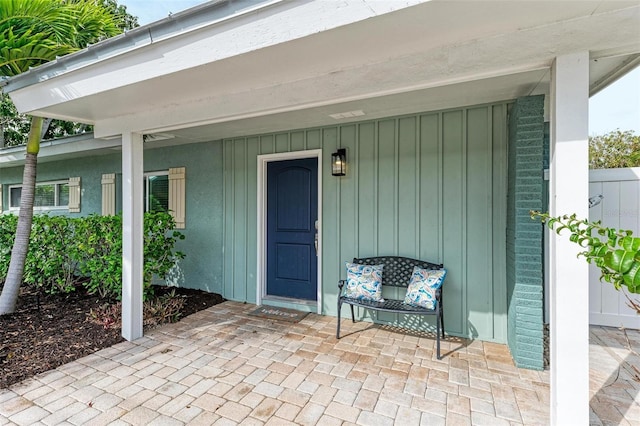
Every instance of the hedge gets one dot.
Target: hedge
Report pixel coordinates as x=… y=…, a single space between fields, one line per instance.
x=64 y=252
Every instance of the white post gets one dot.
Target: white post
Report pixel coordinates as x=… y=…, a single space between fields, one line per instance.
x=569 y=193
x=132 y=227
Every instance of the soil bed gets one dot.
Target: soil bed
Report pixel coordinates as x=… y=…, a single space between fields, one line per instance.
x=34 y=340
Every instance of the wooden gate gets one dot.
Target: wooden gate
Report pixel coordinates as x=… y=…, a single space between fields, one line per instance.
x=619 y=208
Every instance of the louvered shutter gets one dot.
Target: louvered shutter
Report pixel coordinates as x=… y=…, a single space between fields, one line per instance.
x=74 y=195
x=108 y=194
x=177 y=180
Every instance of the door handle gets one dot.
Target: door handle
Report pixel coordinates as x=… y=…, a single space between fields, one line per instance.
x=315 y=240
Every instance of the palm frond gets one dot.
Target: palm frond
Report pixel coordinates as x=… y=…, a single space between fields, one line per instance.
x=33 y=32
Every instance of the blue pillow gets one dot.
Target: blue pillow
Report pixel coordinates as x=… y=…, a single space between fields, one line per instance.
x=423 y=285
x=364 y=282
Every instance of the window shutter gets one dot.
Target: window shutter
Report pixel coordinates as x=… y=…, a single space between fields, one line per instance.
x=74 y=195
x=177 y=195
x=108 y=194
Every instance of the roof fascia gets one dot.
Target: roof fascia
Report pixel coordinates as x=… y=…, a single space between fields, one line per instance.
x=15 y=155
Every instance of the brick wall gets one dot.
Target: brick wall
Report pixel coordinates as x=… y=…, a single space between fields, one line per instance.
x=524 y=236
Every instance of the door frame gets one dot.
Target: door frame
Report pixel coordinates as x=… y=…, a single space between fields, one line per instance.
x=261 y=273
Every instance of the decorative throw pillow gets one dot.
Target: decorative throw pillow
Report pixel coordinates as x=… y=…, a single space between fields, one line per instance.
x=423 y=285
x=364 y=282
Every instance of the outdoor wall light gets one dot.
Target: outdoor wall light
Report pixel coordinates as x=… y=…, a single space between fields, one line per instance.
x=339 y=162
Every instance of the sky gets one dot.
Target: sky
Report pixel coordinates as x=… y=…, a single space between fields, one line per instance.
x=616 y=107
x=149 y=11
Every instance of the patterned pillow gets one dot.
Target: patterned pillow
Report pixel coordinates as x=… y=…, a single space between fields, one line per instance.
x=364 y=282
x=423 y=285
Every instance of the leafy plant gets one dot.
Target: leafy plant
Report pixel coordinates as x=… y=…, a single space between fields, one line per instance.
x=614 y=149
x=101 y=252
x=107 y=315
x=160 y=310
x=64 y=251
x=7 y=233
x=159 y=244
x=99 y=249
x=51 y=264
x=616 y=252
x=163 y=309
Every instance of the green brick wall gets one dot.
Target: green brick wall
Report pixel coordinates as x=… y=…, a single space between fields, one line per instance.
x=524 y=236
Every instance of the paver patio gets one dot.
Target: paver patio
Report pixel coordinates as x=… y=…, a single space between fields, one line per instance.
x=221 y=366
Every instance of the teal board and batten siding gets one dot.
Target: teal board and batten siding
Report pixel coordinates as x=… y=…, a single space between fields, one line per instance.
x=429 y=186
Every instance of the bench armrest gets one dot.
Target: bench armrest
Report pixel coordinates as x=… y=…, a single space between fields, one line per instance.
x=341 y=284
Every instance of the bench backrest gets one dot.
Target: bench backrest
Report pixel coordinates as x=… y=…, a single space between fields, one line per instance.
x=397 y=270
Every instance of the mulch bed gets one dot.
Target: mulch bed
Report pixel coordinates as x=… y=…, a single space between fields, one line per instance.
x=34 y=340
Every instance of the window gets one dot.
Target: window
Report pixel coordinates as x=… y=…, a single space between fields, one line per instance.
x=156 y=192
x=48 y=196
x=163 y=191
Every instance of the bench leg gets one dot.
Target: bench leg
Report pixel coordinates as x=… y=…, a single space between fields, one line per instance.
x=338 y=327
x=353 y=317
x=438 y=317
x=442 y=323
x=438 y=344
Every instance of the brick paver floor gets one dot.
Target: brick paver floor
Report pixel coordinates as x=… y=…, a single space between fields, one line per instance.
x=223 y=367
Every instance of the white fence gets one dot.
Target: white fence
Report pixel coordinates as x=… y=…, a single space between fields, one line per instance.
x=620 y=208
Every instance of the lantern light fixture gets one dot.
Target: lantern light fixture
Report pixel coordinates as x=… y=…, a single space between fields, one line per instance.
x=339 y=162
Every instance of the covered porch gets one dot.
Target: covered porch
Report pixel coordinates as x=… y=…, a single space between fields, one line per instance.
x=228 y=72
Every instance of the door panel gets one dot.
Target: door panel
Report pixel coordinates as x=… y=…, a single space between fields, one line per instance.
x=292 y=211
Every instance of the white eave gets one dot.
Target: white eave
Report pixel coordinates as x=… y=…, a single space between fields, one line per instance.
x=60 y=149
x=291 y=64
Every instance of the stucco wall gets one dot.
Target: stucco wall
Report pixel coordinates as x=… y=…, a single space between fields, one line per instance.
x=202 y=267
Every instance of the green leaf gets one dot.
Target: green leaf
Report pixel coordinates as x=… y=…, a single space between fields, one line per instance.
x=632 y=278
x=619 y=260
x=630 y=243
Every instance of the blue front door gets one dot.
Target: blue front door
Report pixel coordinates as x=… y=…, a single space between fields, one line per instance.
x=292 y=214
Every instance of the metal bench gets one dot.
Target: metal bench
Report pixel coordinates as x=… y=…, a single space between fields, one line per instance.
x=397 y=273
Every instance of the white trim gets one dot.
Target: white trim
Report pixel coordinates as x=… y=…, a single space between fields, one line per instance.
x=132 y=235
x=157 y=173
x=569 y=193
x=147 y=175
x=262 y=218
x=614 y=175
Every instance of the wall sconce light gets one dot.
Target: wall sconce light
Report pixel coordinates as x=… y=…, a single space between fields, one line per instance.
x=339 y=162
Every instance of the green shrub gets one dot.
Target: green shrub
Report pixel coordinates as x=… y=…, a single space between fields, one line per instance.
x=64 y=251
x=7 y=234
x=51 y=262
x=99 y=250
x=159 y=247
x=160 y=310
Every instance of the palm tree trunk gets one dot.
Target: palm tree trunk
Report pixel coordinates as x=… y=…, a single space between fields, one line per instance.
x=11 y=289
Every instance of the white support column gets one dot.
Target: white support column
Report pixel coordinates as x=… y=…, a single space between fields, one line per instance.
x=569 y=193
x=132 y=231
